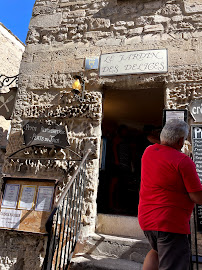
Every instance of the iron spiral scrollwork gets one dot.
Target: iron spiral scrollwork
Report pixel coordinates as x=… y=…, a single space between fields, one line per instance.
x=6 y=81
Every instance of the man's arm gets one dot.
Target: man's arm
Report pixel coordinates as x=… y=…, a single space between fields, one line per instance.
x=196 y=197
x=191 y=180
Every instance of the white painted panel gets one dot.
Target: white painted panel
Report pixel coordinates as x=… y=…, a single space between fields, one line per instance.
x=10 y=218
x=147 y=61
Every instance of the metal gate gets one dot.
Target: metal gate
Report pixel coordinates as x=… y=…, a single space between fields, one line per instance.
x=195 y=239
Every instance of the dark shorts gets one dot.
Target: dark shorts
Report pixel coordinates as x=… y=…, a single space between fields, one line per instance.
x=173 y=249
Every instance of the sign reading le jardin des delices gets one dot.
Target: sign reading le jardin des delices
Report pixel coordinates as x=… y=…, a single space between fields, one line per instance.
x=43 y=134
x=137 y=62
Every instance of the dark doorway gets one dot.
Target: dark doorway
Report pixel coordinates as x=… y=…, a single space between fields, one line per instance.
x=132 y=120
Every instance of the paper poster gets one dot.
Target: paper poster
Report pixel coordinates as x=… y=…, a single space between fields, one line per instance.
x=27 y=197
x=10 y=196
x=10 y=218
x=44 y=198
x=174 y=115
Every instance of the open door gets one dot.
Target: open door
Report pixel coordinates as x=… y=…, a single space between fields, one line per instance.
x=132 y=121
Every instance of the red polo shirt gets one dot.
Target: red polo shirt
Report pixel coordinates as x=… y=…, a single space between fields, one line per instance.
x=166 y=178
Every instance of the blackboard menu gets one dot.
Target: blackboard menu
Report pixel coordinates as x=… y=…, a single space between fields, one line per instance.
x=199 y=217
x=196 y=133
x=46 y=135
x=197 y=148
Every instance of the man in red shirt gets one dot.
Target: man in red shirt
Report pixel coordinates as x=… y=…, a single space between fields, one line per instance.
x=169 y=188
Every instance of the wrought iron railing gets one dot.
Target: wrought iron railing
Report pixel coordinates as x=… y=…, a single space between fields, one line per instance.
x=64 y=223
x=6 y=81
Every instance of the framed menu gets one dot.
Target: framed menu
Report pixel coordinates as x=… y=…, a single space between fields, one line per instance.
x=27 y=197
x=26 y=203
x=44 y=198
x=10 y=196
x=174 y=114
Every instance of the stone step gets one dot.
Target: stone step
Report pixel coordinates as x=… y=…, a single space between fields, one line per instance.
x=87 y=262
x=126 y=226
x=116 y=247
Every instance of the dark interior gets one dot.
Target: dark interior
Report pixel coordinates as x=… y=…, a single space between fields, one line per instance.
x=132 y=120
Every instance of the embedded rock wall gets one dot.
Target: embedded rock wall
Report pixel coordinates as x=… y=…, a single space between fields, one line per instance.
x=62 y=34
x=20 y=251
x=89 y=28
x=11 y=49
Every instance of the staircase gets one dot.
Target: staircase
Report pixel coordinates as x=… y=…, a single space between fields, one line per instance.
x=118 y=244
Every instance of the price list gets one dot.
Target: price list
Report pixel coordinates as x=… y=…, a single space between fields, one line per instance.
x=199 y=217
x=197 y=148
x=197 y=155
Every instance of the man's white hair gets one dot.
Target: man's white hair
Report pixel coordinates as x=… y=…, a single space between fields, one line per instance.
x=174 y=130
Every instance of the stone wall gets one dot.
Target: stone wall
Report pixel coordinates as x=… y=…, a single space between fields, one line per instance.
x=21 y=251
x=108 y=26
x=62 y=34
x=11 y=49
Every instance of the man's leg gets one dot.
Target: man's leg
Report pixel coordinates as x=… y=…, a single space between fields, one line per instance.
x=173 y=251
x=151 y=261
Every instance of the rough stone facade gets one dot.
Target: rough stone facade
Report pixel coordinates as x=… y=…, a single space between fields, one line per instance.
x=62 y=34
x=11 y=50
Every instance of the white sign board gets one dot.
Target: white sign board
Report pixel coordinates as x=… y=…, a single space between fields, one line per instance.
x=44 y=198
x=10 y=196
x=149 y=61
x=10 y=218
x=169 y=114
x=174 y=115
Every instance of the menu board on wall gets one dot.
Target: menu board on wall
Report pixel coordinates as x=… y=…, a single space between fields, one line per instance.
x=169 y=114
x=196 y=133
x=199 y=217
x=26 y=204
x=44 y=198
x=27 y=197
x=10 y=196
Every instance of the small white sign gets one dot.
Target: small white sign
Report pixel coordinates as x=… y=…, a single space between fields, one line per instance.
x=148 y=61
x=10 y=196
x=44 y=198
x=10 y=218
x=174 y=115
x=27 y=197
x=92 y=63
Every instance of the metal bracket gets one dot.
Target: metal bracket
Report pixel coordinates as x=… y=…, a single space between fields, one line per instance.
x=21 y=149
x=5 y=81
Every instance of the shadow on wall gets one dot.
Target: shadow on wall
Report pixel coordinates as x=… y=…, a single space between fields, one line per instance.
x=3 y=137
x=118 y=11
x=19 y=265
x=132 y=254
